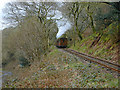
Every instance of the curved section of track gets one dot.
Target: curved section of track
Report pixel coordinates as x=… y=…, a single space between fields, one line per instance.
x=109 y=65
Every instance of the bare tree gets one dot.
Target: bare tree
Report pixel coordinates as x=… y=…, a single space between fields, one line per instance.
x=75 y=13
x=35 y=27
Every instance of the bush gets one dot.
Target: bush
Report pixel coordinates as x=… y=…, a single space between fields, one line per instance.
x=23 y=61
x=22 y=57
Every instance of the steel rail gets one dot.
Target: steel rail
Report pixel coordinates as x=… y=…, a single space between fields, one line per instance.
x=97 y=58
x=96 y=61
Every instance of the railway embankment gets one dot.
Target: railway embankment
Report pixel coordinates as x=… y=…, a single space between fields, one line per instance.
x=60 y=69
x=103 y=49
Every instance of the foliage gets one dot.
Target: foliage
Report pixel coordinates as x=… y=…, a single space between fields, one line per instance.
x=106 y=48
x=33 y=33
x=30 y=39
x=74 y=12
x=86 y=16
x=105 y=15
x=63 y=70
x=113 y=31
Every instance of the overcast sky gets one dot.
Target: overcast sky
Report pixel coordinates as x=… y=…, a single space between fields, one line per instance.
x=2 y=5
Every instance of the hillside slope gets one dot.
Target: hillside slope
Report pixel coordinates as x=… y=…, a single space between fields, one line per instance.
x=106 y=48
x=60 y=70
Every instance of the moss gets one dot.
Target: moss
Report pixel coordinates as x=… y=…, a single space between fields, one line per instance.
x=59 y=69
x=104 y=49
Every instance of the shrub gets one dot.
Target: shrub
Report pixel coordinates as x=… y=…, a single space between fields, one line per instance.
x=23 y=61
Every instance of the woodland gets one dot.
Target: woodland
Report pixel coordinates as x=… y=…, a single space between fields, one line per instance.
x=32 y=29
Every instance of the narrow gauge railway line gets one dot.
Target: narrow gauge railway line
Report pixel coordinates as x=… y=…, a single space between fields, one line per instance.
x=109 y=65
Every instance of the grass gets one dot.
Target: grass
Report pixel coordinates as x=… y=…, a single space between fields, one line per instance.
x=104 y=49
x=61 y=70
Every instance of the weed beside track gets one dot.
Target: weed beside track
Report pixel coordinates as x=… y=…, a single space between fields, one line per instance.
x=62 y=70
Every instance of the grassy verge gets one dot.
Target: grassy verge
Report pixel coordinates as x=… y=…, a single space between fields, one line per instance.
x=104 y=49
x=61 y=70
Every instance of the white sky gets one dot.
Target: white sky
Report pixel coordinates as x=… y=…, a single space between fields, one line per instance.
x=2 y=5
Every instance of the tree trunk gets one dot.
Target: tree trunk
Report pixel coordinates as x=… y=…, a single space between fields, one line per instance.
x=74 y=36
x=96 y=40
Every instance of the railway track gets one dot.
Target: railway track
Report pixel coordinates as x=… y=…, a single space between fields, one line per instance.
x=109 y=65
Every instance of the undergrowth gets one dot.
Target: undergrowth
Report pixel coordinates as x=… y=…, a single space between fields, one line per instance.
x=104 y=49
x=62 y=70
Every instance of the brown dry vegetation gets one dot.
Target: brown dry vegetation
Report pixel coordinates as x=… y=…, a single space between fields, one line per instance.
x=93 y=31
x=62 y=70
x=106 y=48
